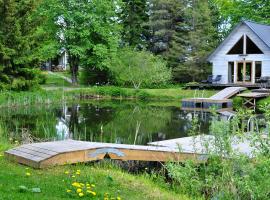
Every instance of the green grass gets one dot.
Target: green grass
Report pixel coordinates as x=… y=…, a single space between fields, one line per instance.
x=56 y=81
x=54 y=182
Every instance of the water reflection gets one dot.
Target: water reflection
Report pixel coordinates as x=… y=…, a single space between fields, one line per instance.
x=105 y=121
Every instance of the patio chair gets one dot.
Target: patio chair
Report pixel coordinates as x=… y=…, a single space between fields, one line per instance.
x=264 y=81
x=217 y=79
x=209 y=79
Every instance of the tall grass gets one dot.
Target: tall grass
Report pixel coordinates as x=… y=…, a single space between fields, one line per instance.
x=228 y=173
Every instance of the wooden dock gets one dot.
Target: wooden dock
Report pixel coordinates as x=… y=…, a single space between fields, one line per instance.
x=220 y=100
x=46 y=154
x=251 y=98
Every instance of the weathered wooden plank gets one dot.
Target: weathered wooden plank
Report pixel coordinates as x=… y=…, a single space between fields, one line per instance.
x=253 y=95
x=228 y=92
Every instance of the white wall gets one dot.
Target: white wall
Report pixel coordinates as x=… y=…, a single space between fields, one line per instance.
x=220 y=59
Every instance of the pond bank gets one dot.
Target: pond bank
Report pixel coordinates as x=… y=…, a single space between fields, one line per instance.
x=56 y=183
x=49 y=95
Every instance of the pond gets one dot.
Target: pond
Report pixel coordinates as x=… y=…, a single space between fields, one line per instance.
x=126 y=122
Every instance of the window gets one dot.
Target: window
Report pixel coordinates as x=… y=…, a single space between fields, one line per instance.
x=252 y=48
x=258 y=70
x=238 y=47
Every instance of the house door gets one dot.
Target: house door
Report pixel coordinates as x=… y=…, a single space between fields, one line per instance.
x=244 y=72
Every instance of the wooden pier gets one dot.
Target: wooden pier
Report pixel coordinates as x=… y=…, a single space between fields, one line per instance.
x=220 y=100
x=251 y=98
x=46 y=154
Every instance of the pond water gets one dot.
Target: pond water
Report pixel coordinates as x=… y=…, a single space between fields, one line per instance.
x=126 y=122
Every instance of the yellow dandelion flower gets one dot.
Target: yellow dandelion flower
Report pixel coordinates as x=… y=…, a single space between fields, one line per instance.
x=79 y=190
x=94 y=193
x=78 y=173
x=82 y=184
x=66 y=172
x=68 y=191
x=93 y=185
x=76 y=184
x=87 y=184
x=73 y=176
x=106 y=198
x=28 y=174
x=118 y=198
x=81 y=194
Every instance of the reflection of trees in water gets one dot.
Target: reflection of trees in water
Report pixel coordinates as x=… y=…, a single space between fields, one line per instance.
x=138 y=124
x=36 y=121
x=102 y=121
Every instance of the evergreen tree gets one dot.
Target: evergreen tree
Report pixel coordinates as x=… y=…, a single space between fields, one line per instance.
x=23 y=40
x=201 y=41
x=134 y=16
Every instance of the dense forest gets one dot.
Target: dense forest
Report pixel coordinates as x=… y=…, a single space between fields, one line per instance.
x=140 y=43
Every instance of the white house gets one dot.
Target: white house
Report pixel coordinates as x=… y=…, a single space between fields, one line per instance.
x=244 y=56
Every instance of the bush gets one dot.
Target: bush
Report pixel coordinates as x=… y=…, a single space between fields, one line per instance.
x=139 y=69
x=142 y=95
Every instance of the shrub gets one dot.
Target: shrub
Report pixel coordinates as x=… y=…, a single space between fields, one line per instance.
x=139 y=69
x=142 y=95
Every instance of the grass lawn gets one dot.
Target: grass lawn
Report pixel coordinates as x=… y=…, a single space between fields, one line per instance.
x=54 y=183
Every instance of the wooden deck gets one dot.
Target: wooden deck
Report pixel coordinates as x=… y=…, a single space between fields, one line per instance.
x=41 y=155
x=251 y=98
x=220 y=100
x=198 y=144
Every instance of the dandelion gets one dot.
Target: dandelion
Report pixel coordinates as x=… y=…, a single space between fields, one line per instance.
x=68 y=191
x=79 y=190
x=93 y=185
x=28 y=174
x=73 y=176
x=76 y=184
x=81 y=194
x=78 y=173
x=66 y=172
x=1 y=155
x=118 y=198
x=91 y=192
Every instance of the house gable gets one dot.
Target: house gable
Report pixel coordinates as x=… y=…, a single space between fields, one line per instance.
x=234 y=38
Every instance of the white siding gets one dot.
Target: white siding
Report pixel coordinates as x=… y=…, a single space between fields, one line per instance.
x=220 y=58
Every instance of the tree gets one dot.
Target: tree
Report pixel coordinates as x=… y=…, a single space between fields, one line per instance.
x=139 y=68
x=23 y=40
x=232 y=12
x=134 y=15
x=88 y=30
x=201 y=41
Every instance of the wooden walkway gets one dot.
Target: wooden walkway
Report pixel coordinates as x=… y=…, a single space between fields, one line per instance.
x=250 y=98
x=41 y=155
x=220 y=100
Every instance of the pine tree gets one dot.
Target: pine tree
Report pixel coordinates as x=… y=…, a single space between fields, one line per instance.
x=22 y=38
x=201 y=41
x=134 y=15
x=168 y=30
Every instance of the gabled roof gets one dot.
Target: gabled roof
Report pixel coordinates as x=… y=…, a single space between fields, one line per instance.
x=261 y=30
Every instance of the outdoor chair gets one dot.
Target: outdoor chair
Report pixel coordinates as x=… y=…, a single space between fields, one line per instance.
x=264 y=81
x=217 y=79
x=209 y=79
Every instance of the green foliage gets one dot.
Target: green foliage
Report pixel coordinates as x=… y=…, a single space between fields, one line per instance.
x=232 y=12
x=143 y=95
x=134 y=15
x=228 y=174
x=183 y=33
x=139 y=69
x=88 y=31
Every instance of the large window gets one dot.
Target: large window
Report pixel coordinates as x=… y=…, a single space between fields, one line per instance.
x=245 y=46
x=238 y=48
